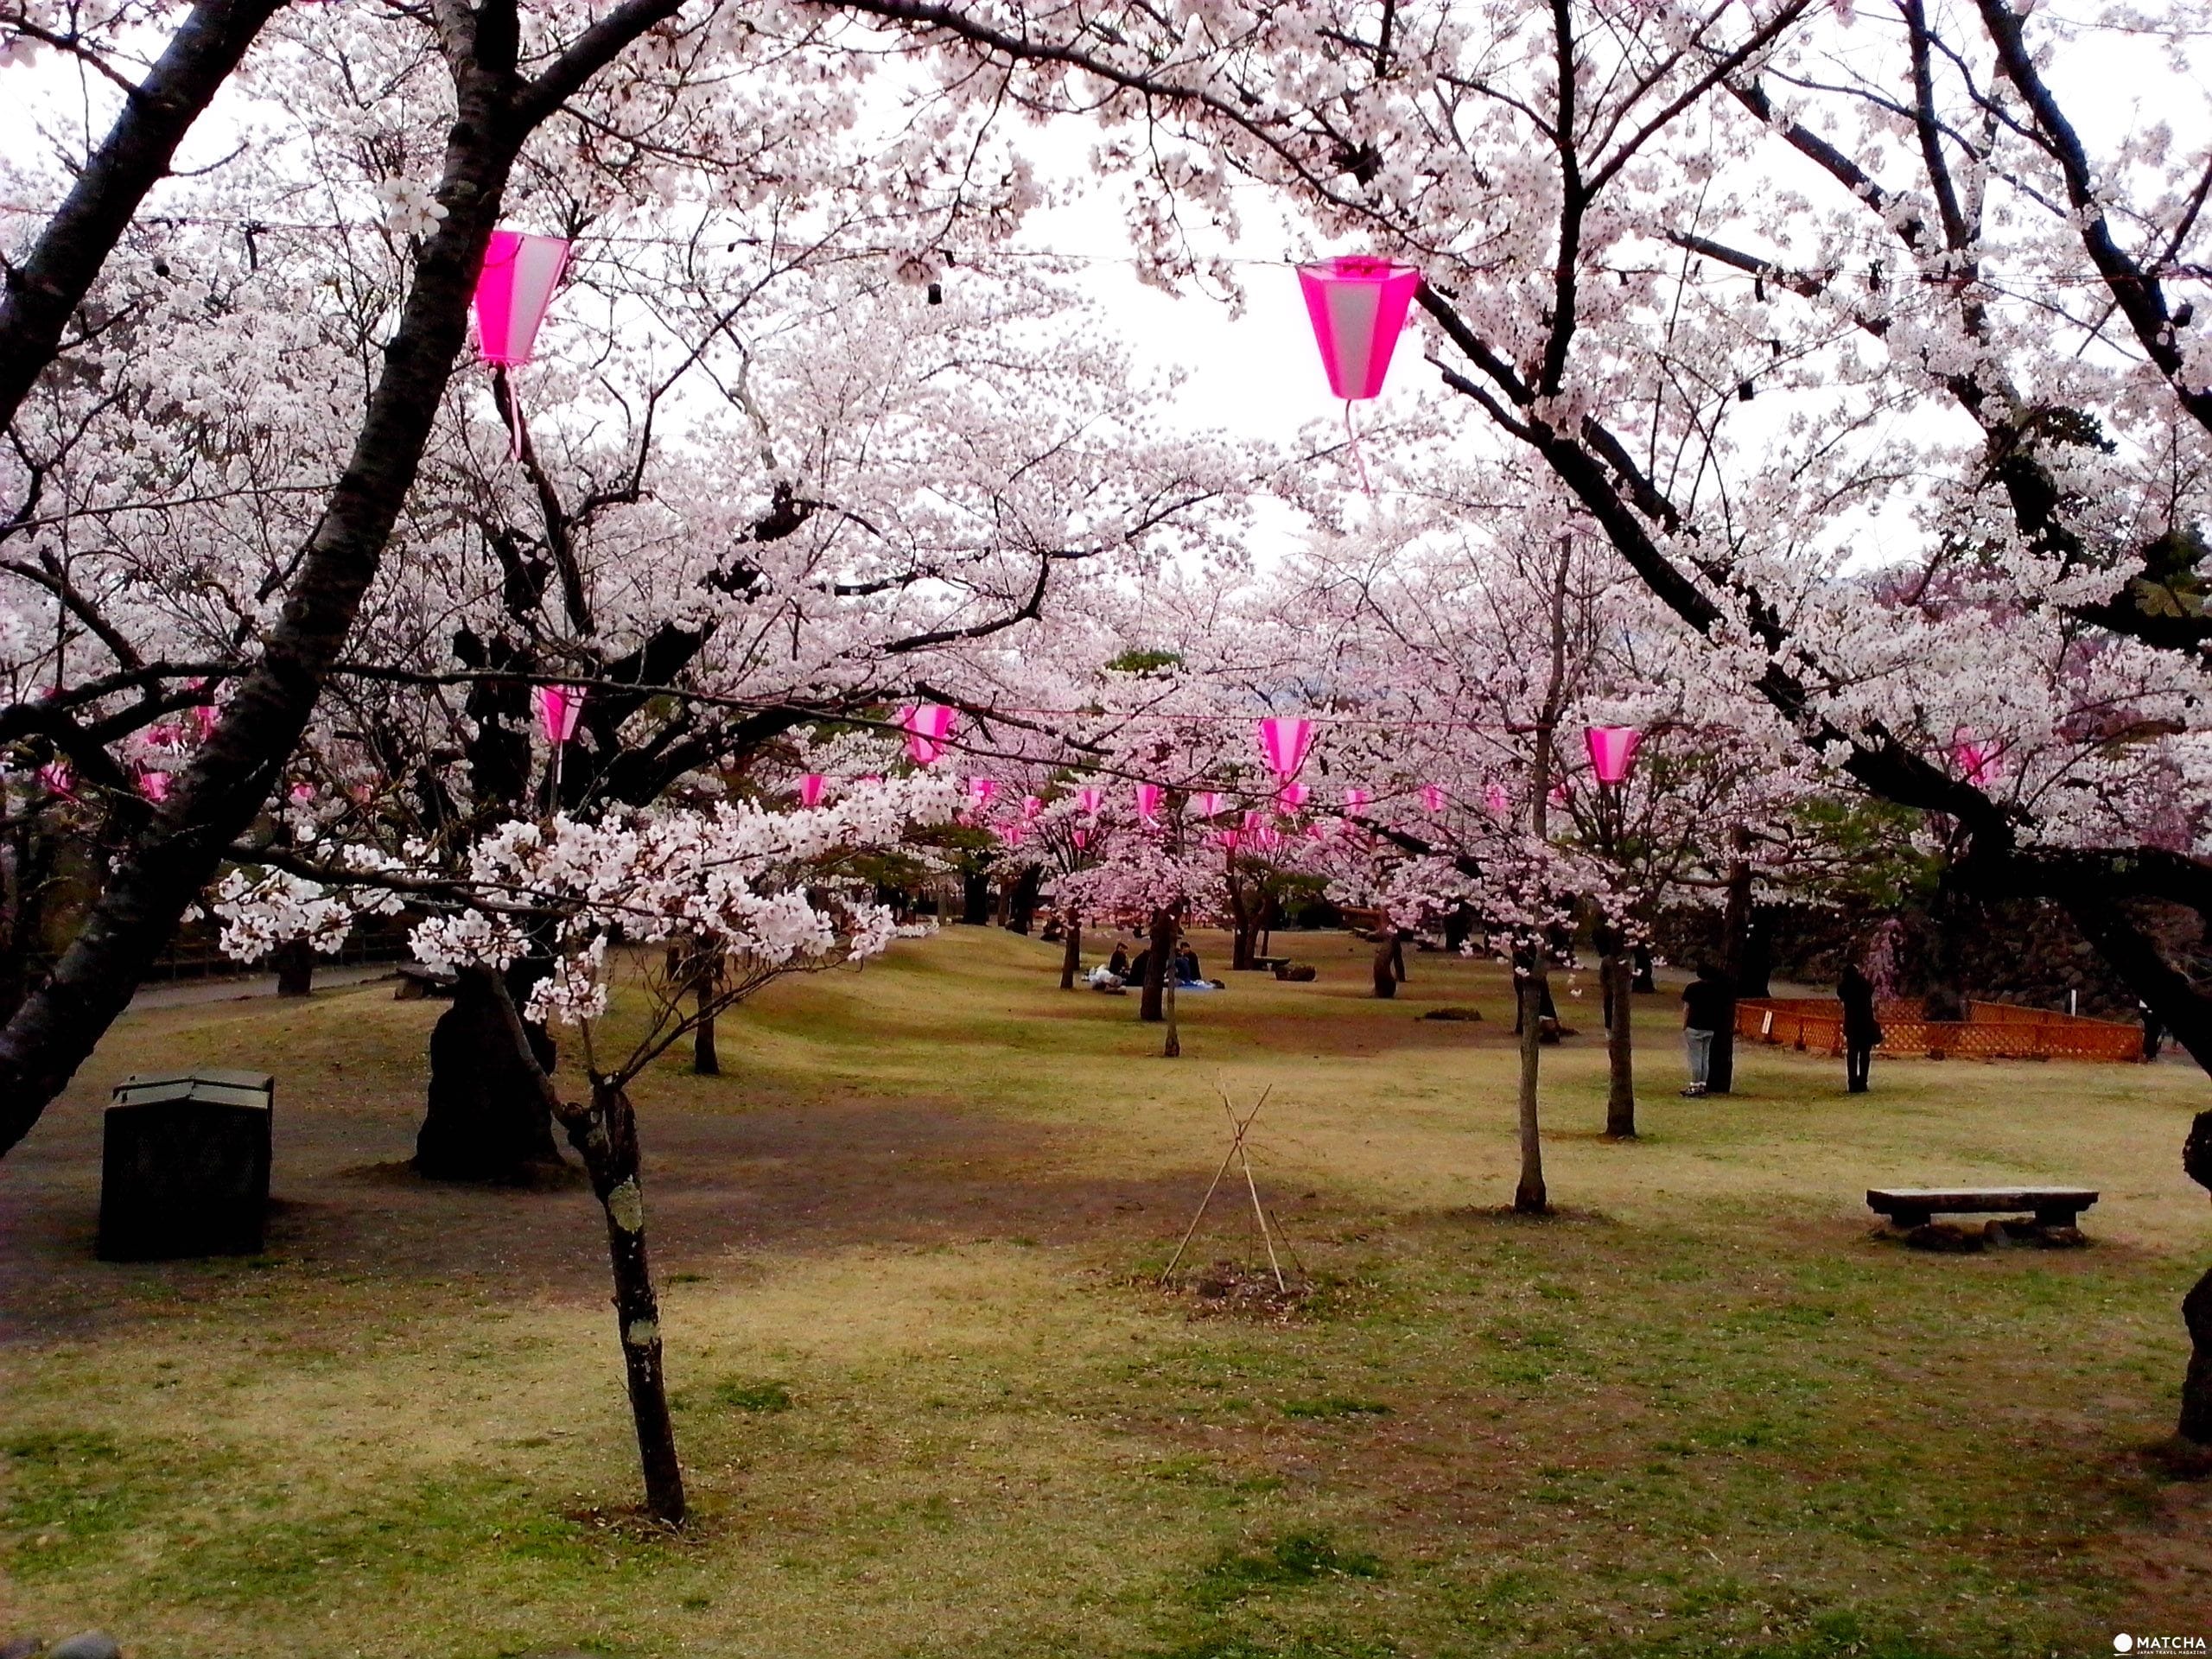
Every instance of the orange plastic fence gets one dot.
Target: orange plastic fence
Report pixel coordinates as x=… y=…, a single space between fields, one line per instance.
x=1991 y=1031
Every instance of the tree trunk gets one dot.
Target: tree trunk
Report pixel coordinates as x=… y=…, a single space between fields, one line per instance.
x=1951 y=915
x=2196 y=1383
x=1157 y=967
x=486 y=1118
x=1386 y=980
x=605 y=1134
x=704 y=1061
x=294 y=963
x=1529 y=1198
x=1617 y=972
x=975 y=899
x=1244 y=922
x=1173 y=1048
x=1735 y=936
x=1071 y=957
x=1021 y=901
x=2196 y=1306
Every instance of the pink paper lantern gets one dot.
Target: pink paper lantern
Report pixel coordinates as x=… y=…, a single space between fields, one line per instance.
x=1284 y=744
x=1977 y=760
x=1612 y=748
x=1229 y=838
x=154 y=785
x=1291 y=797
x=1209 y=803
x=513 y=292
x=1358 y=308
x=1355 y=799
x=1148 y=801
x=1497 y=801
x=1254 y=818
x=204 y=716
x=980 y=790
x=559 y=709
x=1432 y=798
x=1092 y=798
x=1032 y=805
x=1267 y=836
x=810 y=790
x=926 y=726
x=1082 y=838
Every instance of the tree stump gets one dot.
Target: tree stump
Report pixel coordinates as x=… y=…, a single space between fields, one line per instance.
x=486 y=1119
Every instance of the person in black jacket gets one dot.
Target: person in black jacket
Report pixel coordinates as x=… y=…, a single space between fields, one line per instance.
x=1706 y=1001
x=1862 y=1031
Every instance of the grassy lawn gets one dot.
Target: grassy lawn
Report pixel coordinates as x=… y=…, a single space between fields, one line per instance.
x=930 y=1402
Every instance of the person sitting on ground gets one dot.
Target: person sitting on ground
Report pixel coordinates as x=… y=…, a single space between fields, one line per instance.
x=1140 y=965
x=1118 y=963
x=1186 y=966
x=1104 y=978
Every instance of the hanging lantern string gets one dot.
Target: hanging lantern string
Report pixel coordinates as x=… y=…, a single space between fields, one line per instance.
x=2173 y=271
x=1352 y=439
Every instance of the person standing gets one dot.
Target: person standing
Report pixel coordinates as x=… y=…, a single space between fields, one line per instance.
x=1862 y=1031
x=1705 y=1002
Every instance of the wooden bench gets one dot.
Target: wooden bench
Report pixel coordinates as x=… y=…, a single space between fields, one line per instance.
x=1915 y=1206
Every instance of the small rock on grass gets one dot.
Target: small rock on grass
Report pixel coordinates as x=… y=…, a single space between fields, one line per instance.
x=23 y=1647
x=86 y=1644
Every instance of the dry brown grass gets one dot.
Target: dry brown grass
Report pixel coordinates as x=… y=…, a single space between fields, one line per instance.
x=931 y=1403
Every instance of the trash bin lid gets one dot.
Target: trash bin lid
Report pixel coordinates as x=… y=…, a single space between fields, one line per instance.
x=221 y=1085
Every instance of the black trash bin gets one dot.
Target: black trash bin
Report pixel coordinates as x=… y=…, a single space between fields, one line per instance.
x=184 y=1169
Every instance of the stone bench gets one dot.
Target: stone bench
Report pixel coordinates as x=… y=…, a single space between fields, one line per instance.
x=1915 y=1206
x=417 y=982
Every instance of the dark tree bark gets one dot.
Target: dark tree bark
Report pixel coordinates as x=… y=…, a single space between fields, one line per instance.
x=1157 y=966
x=705 y=1062
x=1244 y=909
x=486 y=1119
x=1386 y=974
x=52 y=280
x=1071 y=957
x=233 y=772
x=2196 y=1306
x=1530 y=1198
x=605 y=1133
x=1618 y=974
x=1735 y=936
x=294 y=963
x=975 y=899
x=1021 y=901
